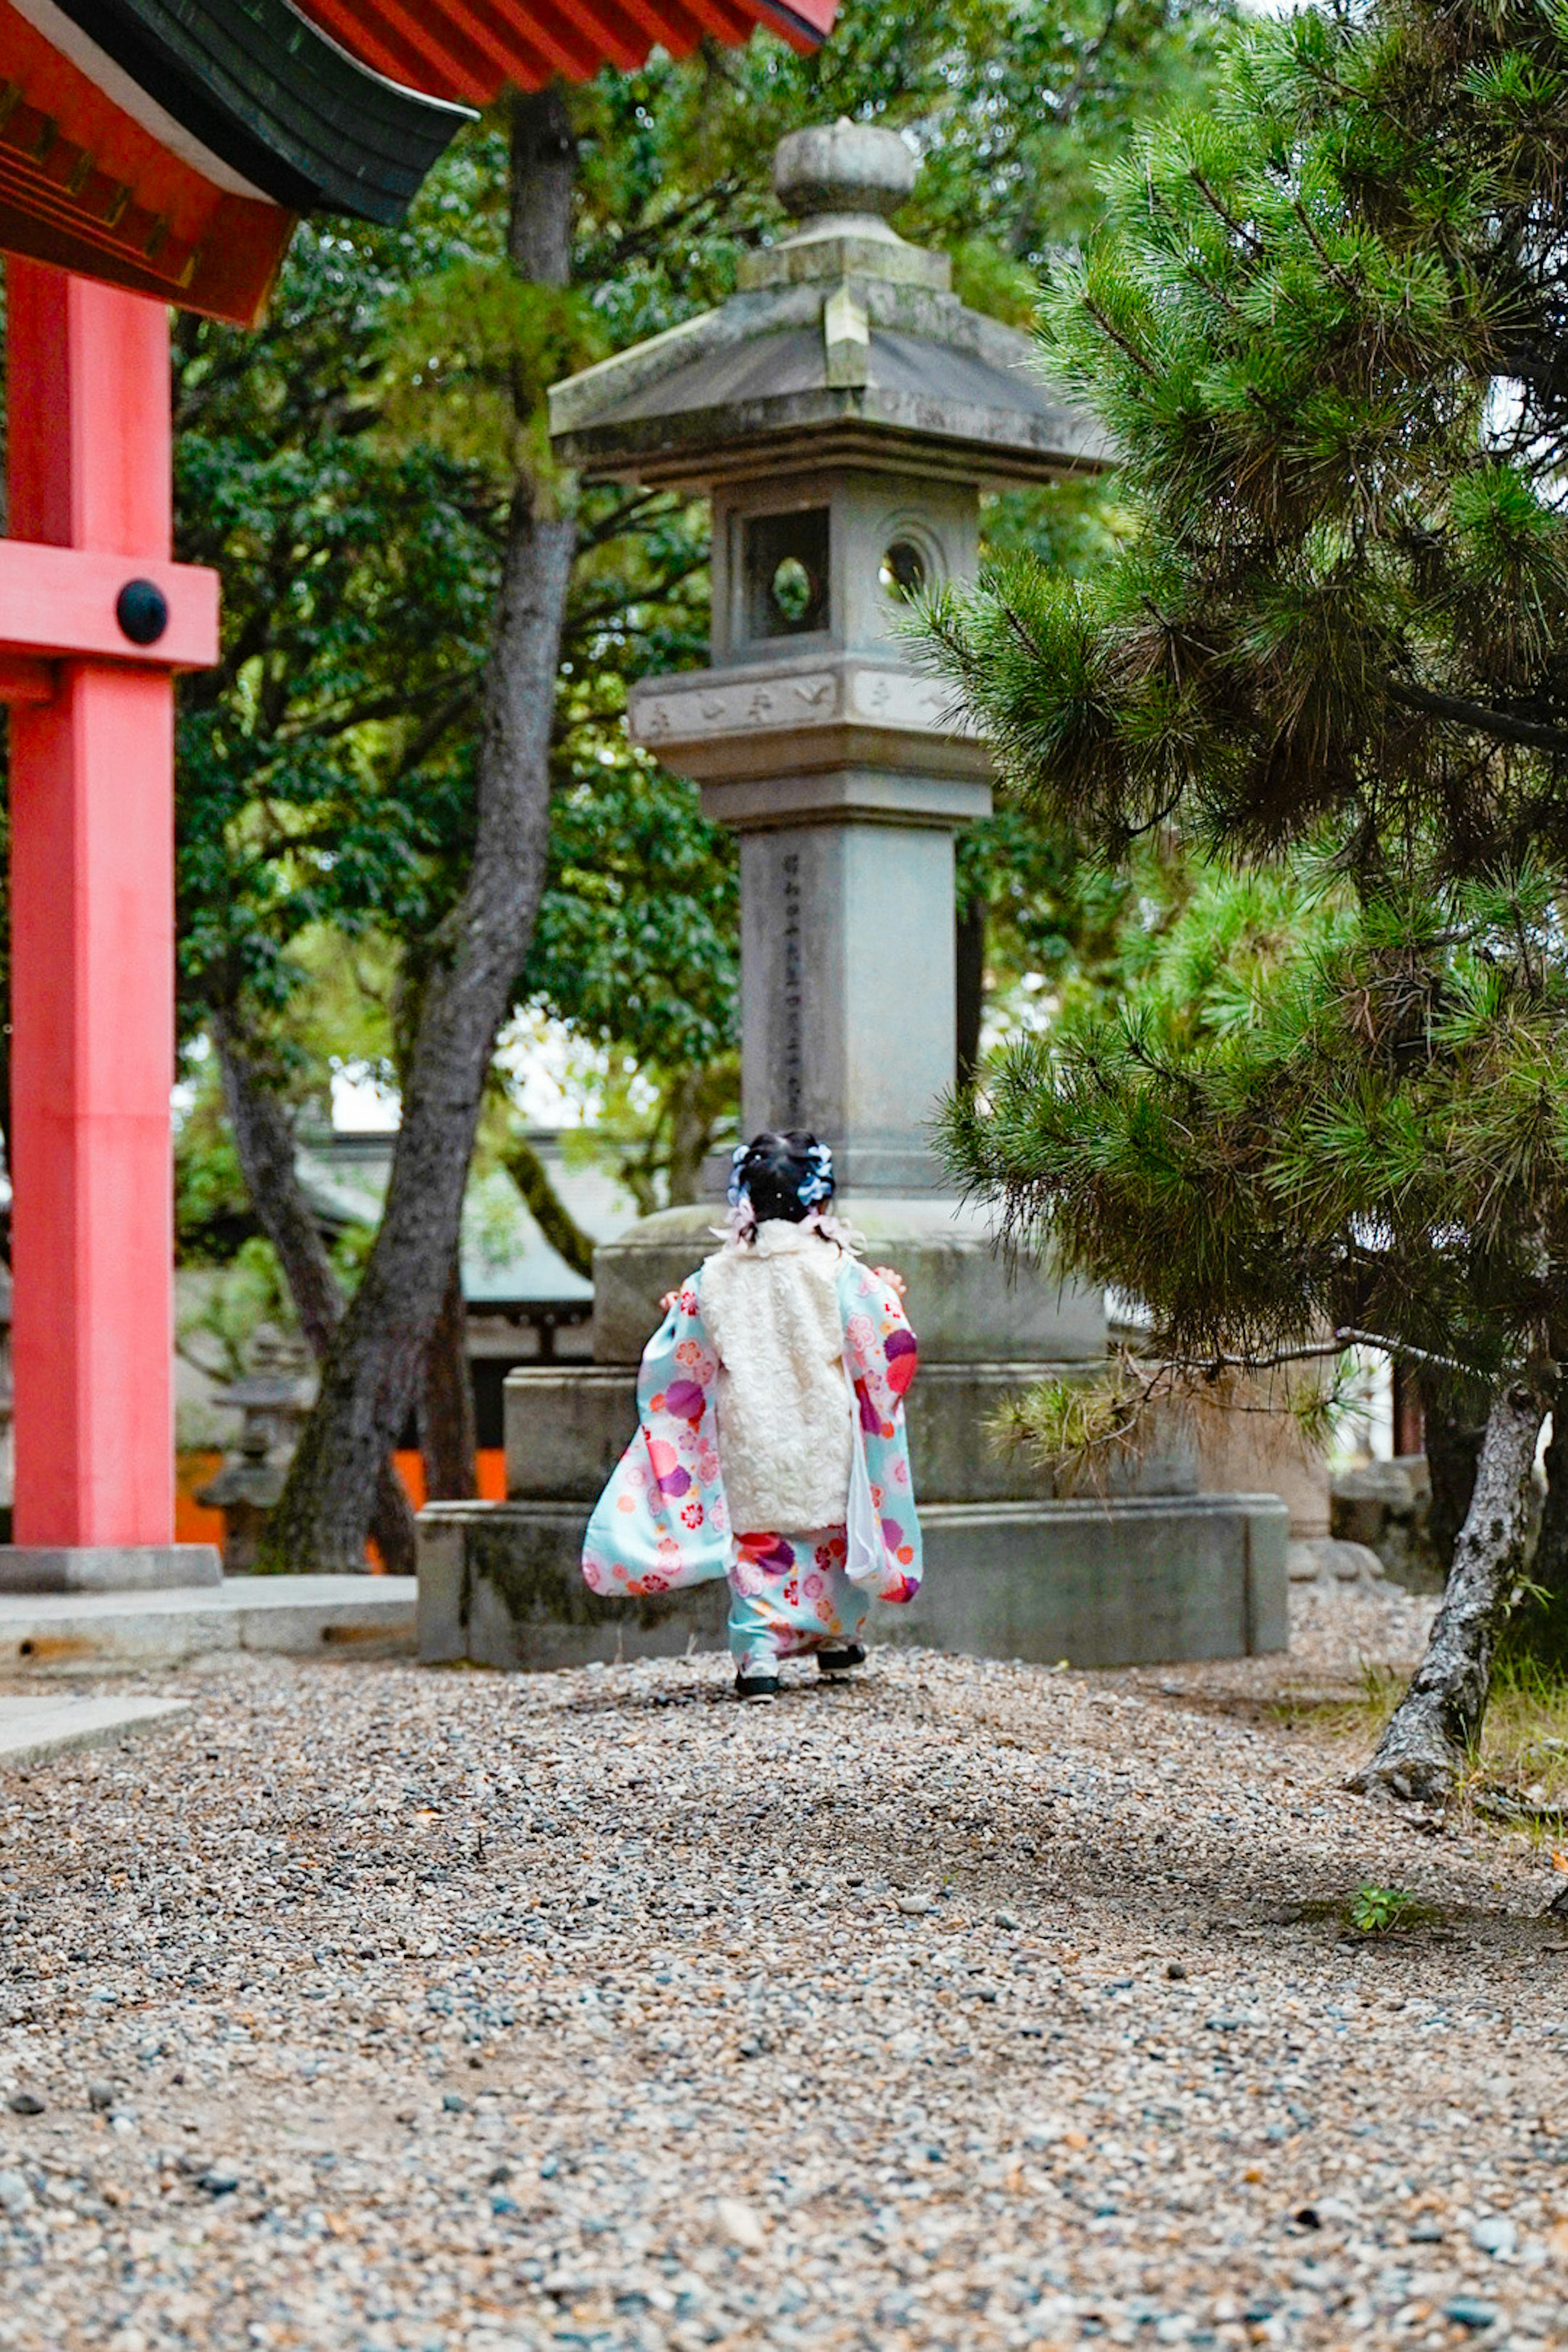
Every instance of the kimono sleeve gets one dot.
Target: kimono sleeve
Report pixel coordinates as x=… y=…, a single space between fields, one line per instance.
x=661 y=1523
x=881 y=1358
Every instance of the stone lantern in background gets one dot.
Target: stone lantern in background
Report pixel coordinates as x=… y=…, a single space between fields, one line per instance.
x=844 y=411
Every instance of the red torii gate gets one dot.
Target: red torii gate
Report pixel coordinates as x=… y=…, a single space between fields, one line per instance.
x=147 y=159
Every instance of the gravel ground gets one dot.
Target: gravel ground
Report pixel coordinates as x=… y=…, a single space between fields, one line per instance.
x=968 y=2006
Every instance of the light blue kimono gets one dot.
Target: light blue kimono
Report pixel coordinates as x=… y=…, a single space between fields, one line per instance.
x=662 y=1522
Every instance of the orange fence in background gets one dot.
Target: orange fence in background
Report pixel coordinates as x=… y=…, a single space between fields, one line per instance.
x=194 y=1523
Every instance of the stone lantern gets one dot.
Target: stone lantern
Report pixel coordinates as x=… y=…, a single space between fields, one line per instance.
x=272 y=1397
x=844 y=413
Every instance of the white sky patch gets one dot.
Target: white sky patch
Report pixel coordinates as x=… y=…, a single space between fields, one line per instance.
x=362 y=1103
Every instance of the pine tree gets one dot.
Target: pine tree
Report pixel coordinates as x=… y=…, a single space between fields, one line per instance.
x=1327 y=327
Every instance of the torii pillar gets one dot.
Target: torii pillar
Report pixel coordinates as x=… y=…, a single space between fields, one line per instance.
x=94 y=621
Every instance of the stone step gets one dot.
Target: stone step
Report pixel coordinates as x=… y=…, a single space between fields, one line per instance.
x=298 y=1616
x=1140 y=1581
x=35 y=1727
x=567 y=1426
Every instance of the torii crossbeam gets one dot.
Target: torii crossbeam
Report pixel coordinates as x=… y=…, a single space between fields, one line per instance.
x=157 y=152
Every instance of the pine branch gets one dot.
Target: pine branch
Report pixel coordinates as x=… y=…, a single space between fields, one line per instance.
x=1217 y=206
x=1478 y=715
x=1120 y=340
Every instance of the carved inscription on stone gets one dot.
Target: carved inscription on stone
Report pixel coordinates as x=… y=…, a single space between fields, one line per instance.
x=791 y=976
x=859 y=691
x=729 y=710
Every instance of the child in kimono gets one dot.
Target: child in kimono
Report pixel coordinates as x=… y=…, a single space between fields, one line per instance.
x=770 y=1445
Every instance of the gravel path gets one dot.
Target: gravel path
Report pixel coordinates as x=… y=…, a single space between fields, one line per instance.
x=970 y=2006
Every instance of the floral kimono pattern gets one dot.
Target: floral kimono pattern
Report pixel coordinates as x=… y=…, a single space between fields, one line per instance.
x=662 y=1522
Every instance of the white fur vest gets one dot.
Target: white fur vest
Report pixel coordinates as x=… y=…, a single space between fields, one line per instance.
x=784 y=1434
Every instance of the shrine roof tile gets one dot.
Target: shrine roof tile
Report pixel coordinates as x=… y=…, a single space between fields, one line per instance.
x=469 y=50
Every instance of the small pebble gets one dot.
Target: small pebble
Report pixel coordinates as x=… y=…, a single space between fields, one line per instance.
x=740 y=2225
x=1494 y=2234
x=24 y=2103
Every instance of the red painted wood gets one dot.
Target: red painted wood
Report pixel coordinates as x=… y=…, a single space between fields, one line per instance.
x=83 y=185
x=92 y=930
x=471 y=48
x=22 y=680
x=60 y=600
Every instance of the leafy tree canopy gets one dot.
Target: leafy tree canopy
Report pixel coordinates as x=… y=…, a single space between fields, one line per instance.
x=348 y=466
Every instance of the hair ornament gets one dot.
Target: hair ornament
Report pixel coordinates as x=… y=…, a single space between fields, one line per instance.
x=817 y=1185
x=737 y=1161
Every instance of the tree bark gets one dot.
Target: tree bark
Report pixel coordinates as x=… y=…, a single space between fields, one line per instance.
x=548 y=1209
x=448 y=1439
x=264 y=1143
x=970 y=1008
x=1537 y=1628
x=371 y=1375
x=1437 y=1727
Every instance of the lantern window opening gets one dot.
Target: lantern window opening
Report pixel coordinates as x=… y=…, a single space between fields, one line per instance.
x=786 y=583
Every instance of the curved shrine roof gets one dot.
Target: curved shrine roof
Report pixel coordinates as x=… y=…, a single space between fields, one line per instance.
x=470 y=50
x=167 y=145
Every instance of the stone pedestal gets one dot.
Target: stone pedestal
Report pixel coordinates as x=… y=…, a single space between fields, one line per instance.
x=1142 y=1582
x=964 y=1301
x=108 y=1568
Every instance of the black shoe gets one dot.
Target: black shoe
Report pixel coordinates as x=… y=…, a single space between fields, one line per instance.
x=756 y=1686
x=840 y=1661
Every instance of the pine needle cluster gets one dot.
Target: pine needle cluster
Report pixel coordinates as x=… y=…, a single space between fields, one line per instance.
x=1328 y=327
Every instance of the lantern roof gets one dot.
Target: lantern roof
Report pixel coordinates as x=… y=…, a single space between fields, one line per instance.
x=169 y=145
x=842 y=344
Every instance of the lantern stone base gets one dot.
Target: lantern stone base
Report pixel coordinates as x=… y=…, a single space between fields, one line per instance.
x=106 y=1567
x=1147 y=1581
x=567 y=1426
x=967 y=1303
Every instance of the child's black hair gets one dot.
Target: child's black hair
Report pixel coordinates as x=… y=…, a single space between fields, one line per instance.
x=786 y=1176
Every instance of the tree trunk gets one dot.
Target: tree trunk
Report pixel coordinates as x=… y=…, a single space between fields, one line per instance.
x=548 y=1209
x=690 y=1130
x=1537 y=1628
x=264 y=1143
x=371 y=1376
x=969 y=1007
x=1436 y=1725
x=447 y=1435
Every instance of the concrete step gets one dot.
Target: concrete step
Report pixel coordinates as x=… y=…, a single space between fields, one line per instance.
x=35 y=1727
x=297 y=1616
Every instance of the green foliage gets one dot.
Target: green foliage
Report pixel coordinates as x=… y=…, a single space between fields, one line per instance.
x=349 y=466
x=213 y=1214
x=1324 y=324
x=237 y=1296
x=1373 y=1910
